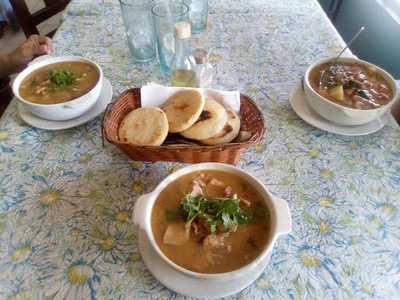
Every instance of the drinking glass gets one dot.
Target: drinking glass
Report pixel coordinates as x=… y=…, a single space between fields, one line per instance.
x=166 y=14
x=139 y=30
x=198 y=14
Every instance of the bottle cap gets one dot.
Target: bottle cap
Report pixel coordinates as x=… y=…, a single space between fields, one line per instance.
x=183 y=30
x=200 y=56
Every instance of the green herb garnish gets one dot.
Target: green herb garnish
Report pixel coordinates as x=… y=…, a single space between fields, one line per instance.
x=61 y=78
x=214 y=211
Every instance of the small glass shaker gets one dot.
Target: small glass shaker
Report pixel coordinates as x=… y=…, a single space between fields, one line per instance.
x=203 y=69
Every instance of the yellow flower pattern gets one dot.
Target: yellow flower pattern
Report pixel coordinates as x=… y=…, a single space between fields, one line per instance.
x=313 y=153
x=49 y=197
x=3 y=136
x=326 y=173
x=324 y=201
x=108 y=243
x=21 y=254
x=137 y=186
x=309 y=260
x=79 y=274
x=122 y=216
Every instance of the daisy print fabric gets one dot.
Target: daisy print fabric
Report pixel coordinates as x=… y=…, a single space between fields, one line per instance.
x=66 y=201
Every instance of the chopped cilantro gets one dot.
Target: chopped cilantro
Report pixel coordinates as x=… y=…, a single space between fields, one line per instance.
x=214 y=211
x=61 y=78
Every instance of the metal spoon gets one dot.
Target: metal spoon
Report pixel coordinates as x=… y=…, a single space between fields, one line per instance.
x=322 y=78
x=351 y=42
x=338 y=56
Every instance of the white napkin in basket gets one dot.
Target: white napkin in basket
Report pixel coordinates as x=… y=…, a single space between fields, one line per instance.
x=154 y=94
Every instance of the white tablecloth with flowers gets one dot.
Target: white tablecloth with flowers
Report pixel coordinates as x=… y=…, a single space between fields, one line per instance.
x=66 y=202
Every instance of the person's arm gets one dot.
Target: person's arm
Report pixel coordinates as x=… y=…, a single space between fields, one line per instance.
x=6 y=66
x=17 y=60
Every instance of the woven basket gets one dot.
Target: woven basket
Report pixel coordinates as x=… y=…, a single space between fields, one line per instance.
x=251 y=120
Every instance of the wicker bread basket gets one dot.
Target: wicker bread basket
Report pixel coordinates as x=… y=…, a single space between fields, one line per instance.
x=172 y=150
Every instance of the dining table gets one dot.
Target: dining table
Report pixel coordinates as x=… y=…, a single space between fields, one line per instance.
x=66 y=201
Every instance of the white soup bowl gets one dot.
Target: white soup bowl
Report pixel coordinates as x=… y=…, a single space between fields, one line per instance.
x=280 y=218
x=60 y=111
x=344 y=115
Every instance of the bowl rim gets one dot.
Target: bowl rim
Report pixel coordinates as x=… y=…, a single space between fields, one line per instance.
x=221 y=167
x=385 y=74
x=157 y=3
x=48 y=61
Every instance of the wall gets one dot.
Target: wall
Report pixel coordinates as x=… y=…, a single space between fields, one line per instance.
x=380 y=42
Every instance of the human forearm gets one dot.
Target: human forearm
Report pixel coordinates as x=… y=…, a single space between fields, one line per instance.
x=8 y=65
x=17 y=60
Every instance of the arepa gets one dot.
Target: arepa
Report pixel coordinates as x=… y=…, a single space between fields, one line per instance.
x=228 y=132
x=183 y=109
x=145 y=126
x=211 y=121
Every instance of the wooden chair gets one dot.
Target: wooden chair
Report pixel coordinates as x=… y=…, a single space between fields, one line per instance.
x=29 y=21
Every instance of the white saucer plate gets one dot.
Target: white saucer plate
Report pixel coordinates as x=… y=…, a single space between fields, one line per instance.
x=100 y=105
x=190 y=286
x=299 y=104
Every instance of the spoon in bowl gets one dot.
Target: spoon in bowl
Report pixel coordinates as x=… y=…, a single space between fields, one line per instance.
x=322 y=78
x=351 y=42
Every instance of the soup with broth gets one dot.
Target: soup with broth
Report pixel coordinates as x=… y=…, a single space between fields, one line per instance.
x=59 y=82
x=351 y=84
x=210 y=222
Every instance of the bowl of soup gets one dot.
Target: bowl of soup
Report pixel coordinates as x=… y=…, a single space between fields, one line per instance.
x=59 y=88
x=212 y=221
x=349 y=91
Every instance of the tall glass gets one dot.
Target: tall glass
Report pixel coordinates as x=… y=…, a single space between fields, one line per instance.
x=139 y=29
x=198 y=14
x=166 y=14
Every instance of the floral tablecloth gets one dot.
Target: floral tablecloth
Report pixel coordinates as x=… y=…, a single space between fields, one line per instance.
x=66 y=202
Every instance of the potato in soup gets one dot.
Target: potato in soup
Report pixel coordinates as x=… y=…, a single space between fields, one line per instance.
x=59 y=82
x=210 y=222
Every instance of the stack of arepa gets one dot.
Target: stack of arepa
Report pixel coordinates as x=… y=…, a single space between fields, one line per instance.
x=186 y=112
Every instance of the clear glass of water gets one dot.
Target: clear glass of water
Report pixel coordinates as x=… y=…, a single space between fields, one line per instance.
x=166 y=14
x=198 y=14
x=139 y=29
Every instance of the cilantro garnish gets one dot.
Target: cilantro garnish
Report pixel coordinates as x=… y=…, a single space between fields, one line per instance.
x=214 y=211
x=61 y=78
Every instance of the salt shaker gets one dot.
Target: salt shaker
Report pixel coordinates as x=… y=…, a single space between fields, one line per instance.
x=202 y=68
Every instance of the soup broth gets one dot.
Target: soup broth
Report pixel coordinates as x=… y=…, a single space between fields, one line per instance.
x=59 y=82
x=351 y=84
x=200 y=246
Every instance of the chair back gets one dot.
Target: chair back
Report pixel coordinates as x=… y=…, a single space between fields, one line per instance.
x=29 y=21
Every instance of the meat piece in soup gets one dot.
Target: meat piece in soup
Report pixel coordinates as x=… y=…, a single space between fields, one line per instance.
x=59 y=82
x=351 y=84
x=210 y=222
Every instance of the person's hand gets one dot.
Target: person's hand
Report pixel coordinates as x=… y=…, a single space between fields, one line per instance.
x=34 y=46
